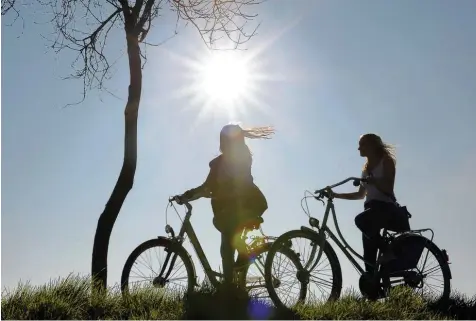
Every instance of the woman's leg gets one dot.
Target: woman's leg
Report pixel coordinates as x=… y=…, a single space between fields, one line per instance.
x=370 y=222
x=227 y=227
x=227 y=252
x=376 y=216
x=366 y=222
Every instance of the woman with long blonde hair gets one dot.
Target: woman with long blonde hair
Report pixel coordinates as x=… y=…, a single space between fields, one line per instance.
x=380 y=202
x=236 y=201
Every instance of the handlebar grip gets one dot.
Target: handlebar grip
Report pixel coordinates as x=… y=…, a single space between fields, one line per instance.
x=358 y=181
x=321 y=194
x=176 y=199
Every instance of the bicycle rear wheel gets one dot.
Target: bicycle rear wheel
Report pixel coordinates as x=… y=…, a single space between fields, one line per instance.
x=420 y=265
x=252 y=276
x=172 y=274
x=328 y=263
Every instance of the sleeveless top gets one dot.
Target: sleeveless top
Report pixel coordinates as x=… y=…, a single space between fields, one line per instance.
x=373 y=193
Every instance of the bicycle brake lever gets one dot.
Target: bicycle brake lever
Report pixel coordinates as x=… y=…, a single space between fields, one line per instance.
x=319 y=198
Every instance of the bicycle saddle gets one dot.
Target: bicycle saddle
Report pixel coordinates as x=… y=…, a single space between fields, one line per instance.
x=253 y=223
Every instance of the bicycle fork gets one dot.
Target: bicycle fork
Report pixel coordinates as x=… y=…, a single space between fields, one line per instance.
x=312 y=257
x=160 y=281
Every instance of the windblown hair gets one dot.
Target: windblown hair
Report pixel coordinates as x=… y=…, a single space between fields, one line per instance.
x=258 y=132
x=234 y=134
x=383 y=148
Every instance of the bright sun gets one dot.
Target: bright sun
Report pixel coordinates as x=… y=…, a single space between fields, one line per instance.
x=222 y=82
x=224 y=77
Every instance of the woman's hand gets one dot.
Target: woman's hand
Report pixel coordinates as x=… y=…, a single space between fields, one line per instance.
x=330 y=192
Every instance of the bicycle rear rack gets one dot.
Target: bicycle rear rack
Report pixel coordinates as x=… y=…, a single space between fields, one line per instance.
x=393 y=235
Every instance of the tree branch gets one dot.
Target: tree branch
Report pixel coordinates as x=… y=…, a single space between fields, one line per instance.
x=92 y=38
x=83 y=26
x=218 y=19
x=9 y=6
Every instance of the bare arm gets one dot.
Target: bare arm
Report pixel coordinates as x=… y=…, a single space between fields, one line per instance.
x=360 y=194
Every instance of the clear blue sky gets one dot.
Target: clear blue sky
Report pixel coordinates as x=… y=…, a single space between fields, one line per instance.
x=403 y=69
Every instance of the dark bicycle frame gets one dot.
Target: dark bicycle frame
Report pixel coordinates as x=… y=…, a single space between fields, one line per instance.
x=324 y=230
x=187 y=228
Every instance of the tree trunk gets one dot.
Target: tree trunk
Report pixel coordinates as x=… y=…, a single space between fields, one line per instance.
x=126 y=177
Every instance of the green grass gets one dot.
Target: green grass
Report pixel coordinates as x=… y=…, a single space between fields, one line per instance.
x=70 y=298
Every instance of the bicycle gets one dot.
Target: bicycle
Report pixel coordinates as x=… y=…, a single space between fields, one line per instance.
x=407 y=245
x=173 y=246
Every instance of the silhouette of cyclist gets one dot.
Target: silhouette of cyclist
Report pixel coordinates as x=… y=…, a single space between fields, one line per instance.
x=236 y=201
x=380 y=202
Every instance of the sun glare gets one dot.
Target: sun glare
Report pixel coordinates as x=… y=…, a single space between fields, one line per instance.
x=224 y=78
x=221 y=83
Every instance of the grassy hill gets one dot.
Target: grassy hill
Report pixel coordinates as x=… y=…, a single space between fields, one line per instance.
x=70 y=298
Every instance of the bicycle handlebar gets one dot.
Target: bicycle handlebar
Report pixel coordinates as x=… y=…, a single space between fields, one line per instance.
x=356 y=182
x=187 y=204
x=180 y=201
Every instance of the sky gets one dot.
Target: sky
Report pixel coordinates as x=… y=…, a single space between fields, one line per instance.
x=331 y=71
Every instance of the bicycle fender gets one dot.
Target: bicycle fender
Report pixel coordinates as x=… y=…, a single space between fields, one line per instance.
x=310 y=230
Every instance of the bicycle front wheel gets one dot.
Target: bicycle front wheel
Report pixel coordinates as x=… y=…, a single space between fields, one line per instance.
x=323 y=279
x=252 y=277
x=158 y=264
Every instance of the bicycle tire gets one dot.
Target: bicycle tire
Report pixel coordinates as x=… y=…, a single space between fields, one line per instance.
x=265 y=248
x=159 y=242
x=280 y=243
x=441 y=259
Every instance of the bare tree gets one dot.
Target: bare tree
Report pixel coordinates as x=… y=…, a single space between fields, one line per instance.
x=84 y=26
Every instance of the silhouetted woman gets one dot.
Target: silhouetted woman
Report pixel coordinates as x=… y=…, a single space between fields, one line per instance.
x=236 y=201
x=380 y=208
